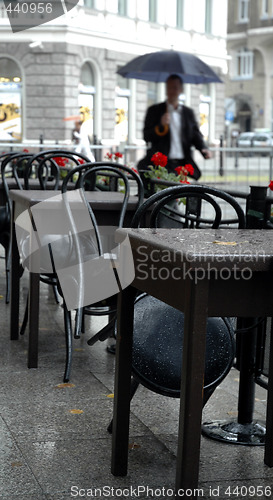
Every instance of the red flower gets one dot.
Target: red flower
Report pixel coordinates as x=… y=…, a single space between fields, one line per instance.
x=180 y=170
x=25 y=151
x=159 y=159
x=118 y=155
x=189 y=169
x=81 y=161
x=109 y=156
x=184 y=182
x=61 y=162
x=270 y=185
x=134 y=170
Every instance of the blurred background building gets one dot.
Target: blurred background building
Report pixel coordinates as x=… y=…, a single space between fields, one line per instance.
x=67 y=67
x=249 y=86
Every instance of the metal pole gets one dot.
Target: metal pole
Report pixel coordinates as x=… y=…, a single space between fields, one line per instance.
x=221 y=167
x=41 y=141
x=247 y=350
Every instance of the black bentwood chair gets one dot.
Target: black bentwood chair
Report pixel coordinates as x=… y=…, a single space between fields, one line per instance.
x=158 y=327
x=78 y=248
x=48 y=162
x=87 y=178
x=12 y=170
x=44 y=166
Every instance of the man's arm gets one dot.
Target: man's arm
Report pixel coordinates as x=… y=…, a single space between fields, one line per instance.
x=155 y=124
x=197 y=137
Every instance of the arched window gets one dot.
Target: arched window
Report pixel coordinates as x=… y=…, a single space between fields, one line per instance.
x=10 y=100
x=86 y=96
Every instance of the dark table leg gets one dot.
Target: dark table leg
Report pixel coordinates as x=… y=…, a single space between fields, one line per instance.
x=33 y=314
x=268 y=455
x=191 y=399
x=15 y=285
x=120 y=436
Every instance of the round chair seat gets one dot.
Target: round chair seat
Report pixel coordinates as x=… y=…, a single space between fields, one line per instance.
x=158 y=344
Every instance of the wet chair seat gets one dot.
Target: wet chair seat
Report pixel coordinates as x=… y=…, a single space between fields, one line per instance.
x=157 y=356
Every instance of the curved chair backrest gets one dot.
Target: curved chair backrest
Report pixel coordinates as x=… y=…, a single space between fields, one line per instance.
x=11 y=165
x=47 y=164
x=87 y=174
x=189 y=213
x=104 y=170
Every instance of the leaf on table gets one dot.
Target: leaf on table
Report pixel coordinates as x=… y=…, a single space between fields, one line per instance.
x=230 y=243
x=76 y=412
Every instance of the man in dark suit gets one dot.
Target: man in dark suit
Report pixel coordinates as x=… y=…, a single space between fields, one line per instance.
x=171 y=129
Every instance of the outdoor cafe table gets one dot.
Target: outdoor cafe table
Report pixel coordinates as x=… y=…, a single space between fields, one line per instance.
x=106 y=207
x=203 y=273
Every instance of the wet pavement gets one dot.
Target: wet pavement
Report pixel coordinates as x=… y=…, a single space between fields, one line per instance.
x=54 y=443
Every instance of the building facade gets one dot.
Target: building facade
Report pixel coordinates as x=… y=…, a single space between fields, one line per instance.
x=249 y=87
x=68 y=67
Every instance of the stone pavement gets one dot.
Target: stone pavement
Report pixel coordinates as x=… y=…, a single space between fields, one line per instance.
x=53 y=439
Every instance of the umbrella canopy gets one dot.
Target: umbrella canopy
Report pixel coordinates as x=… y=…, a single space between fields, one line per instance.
x=158 y=66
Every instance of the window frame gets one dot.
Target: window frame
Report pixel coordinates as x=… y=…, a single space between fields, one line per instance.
x=244 y=64
x=208 y=16
x=123 y=8
x=265 y=9
x=243 y=11
x=91 y=2
x=180 y=5
x=153 y=11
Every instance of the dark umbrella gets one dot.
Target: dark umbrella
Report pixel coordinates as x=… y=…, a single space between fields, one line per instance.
x=157 y=66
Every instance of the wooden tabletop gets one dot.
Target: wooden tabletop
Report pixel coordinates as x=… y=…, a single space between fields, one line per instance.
x=221 y=247
x=100 y=199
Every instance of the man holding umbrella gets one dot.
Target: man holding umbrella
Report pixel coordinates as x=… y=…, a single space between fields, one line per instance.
x=171 y=129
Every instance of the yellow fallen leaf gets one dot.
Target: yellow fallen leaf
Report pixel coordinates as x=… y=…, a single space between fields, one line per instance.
x=133 y=446
x=63 y=386
x=231 y=243
x=79 y=349
x=76 y=412
x=1 y=296
x=110 y=395
x=16 y=464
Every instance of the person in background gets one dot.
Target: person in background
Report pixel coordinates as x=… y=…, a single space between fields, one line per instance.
x=82 y=135
x=76 y=132
x=171 y=129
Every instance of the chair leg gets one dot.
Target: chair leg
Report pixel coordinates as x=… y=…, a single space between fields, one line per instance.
x=207 y=394
x=7 y=285
x=83 y=322
x=7 y=247
x=55 y=292
x=78 y=323
x=104 y=333
x=68 y=338
x=25 y=320
x=134 y=386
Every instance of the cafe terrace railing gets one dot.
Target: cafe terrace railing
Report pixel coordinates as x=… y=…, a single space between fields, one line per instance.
x=229 y=168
